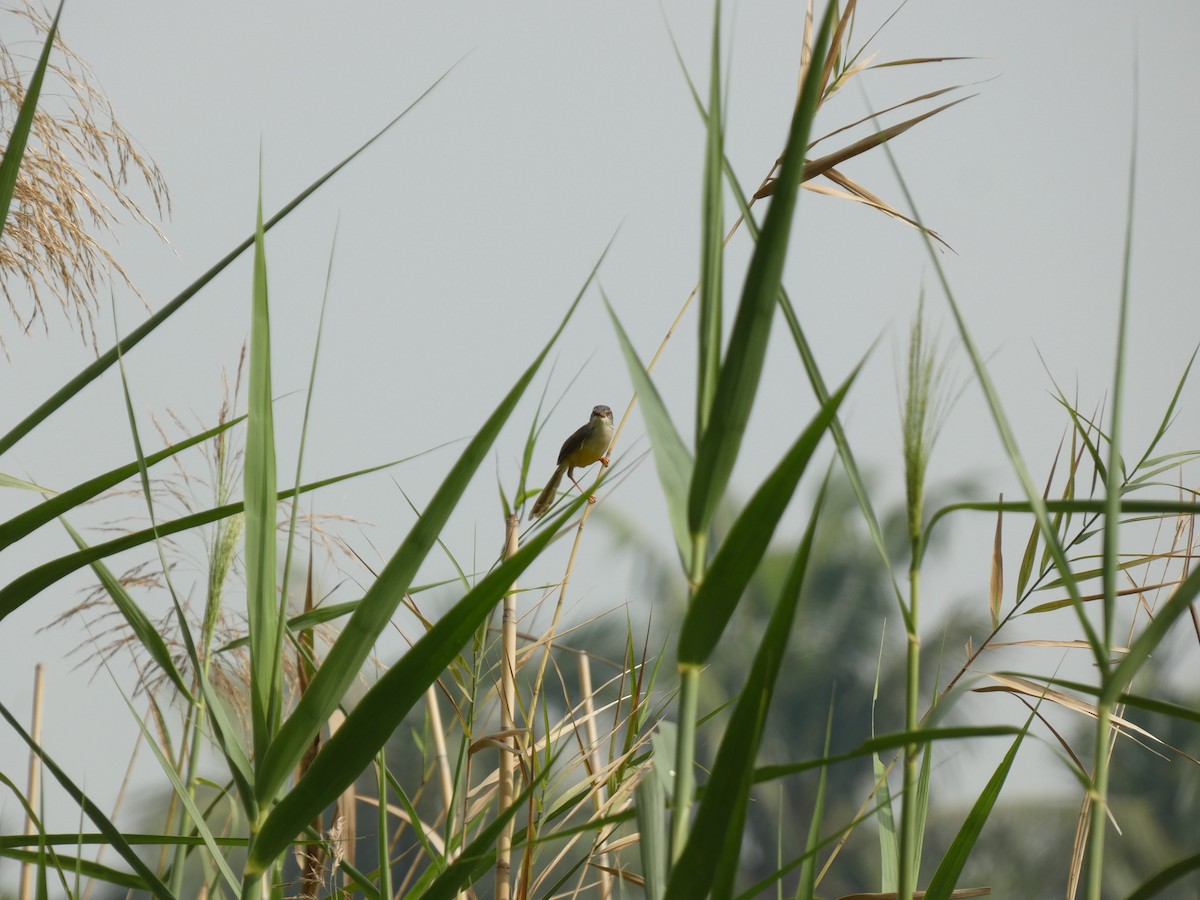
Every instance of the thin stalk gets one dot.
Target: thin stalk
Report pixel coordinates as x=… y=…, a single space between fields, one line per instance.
x=685 y=747
x=508 y=702
x=909 y=805
x=1099 y=795
x=34 y=787
x=592 y=761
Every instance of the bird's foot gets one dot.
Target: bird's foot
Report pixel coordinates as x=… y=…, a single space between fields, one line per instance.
x=592 y=499
x=604 y=461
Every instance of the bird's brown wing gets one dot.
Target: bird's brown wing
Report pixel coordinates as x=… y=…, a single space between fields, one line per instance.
x=571 y=444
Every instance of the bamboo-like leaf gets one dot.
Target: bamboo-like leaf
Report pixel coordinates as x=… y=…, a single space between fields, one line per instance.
x=14 y=151
x=1168 y=416
x=741 y=368
x=1031 y=544
x=709 y=861
x=32 y=582
x=185 y=797
x=711 y=250
x=91 y=372
x=86 y=868
x=807 y=880
x=145 y=630
x=25 y=523
x=996 y=582
x=354 y=644
x=891 y=741
x=477 y=856
x=112 y=836
x=651 y=803
x=368 y=726
x=671 y=456
x=262 y=596
x=885 y=819
x=941 y=887
x=747 y=541
x=1154 y=886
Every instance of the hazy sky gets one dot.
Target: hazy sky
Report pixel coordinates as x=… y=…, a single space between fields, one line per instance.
x=465 y=232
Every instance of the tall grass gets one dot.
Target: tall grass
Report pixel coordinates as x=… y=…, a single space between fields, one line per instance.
x=546 y=768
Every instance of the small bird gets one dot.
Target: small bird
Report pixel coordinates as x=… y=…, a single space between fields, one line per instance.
x=584 y=447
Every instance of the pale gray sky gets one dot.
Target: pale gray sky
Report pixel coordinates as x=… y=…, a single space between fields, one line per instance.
x=466 y=231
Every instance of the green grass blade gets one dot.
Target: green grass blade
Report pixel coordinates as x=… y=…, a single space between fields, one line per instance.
x=32 y=582
x=369 y=725
x=354 y=644
x=86 y=868
x=10 y=165
x=145 y=630
x=671 y=456
x=478 y=856
x=889 y=844
x=29 y=521
x=710 y=857
x=185 y=797
x=112 y=836
x=807 y=881
x=747 y=541
x=941 y=887
x=741 y=369
x=651 y=803
x=712 y=225
x=1169 y=415
x=262 y=603
x=808 y=359
x=95 y=369
x=1155 y=886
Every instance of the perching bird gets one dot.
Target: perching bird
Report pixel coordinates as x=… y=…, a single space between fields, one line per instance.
x=584 y=447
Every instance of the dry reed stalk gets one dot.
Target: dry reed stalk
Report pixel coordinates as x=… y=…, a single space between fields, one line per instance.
x=591 y=760
x=34 y=787
x=508 y=701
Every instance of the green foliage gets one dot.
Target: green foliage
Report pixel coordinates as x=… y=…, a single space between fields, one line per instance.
x=769 y=623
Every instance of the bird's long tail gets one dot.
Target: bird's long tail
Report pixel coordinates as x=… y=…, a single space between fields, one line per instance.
x=546 y=498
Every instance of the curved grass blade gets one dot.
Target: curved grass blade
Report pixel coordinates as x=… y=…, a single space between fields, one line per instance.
x=95 y=369
x=941 y=887
x=1155 y=886
x=86 y=868
x=377 y=715
x=113 y=837
x=710 y=857
x=29 y=521
x=354 y=644
x=28 y=585
x=478 y=855
x=145 y=630
x=672 y=458
x=741 y=369
x=808 y=358
x=744 y=546
x=10 y=165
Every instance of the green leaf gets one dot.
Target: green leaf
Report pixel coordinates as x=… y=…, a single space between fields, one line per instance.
x=10 y=165
x=28 y=585
x=737 y=384
x=95 y=369
x=807 y=881
x=711 y=250
x=113 y=837
x=650 y=802
x=145 y=630
x=262 y=597
x=744 y=546
x=21 y=525
x=671 y=456
x=1154 y=886
x=889 y=844
x=710 y=858
x=951 y=866
x=381 y=600
x=369 y=725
